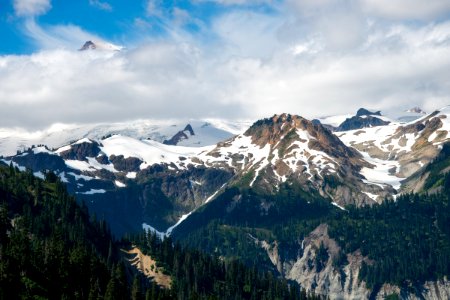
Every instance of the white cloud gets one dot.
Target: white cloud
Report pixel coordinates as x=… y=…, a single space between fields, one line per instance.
x=180 y=80
x=153 y=8
x=407 y=9
x=103 y=5
x=309 y=57
x=30 y=8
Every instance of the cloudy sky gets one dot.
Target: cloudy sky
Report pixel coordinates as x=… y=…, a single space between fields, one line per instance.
x=231 y=59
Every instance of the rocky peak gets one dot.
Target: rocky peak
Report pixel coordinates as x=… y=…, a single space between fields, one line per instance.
x=89 y=45
x=180 y=135
x=272 y=130
x=416 y=110
x=281 y=131
x=364 y=118
x=81 y=150
x=189 y=129
x=365 y=112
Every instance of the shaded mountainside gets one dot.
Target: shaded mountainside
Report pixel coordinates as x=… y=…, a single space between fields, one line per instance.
x=287 y=195
x=131 y=181
x=359 y=253
x=50 y=248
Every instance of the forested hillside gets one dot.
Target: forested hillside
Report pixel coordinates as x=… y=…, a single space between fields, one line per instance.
x=50 y=248
x=392 y=235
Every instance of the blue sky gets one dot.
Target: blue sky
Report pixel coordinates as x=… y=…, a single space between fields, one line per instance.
x=230 y=59
x=118 y=21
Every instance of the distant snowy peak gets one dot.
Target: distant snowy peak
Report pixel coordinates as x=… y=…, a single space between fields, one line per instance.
x=206 y=132
x=363 y=118
x=184 y=134
x=398 y=150
x=416 y=110
x=90 y=45
x=364 y=112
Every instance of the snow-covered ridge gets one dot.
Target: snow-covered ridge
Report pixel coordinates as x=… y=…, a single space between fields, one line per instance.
x=207 y=132
x=397 y=150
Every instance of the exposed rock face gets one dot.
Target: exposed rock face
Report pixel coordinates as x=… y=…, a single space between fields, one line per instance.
x=327 y=280
x=291 y=148
x=129 y=164
x=81 y=151
x=158 y=196
x=146 y=265
x=39 y=162
x=341 y=283
x=180 y=135
x=365 y=112
x=89 y=45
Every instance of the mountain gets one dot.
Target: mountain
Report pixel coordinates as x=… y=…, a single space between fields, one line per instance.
x=97 y=45
x=328 y=210
x=208 y=132
x=52 y=249
x=398 y=150
x=125 y=177
x=363 y=118
x=287 y=148
x=410 y=115
x=181 y=135
x=416 y=110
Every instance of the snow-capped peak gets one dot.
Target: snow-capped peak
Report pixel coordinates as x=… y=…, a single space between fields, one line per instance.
x=416 y=110
x=99 y=45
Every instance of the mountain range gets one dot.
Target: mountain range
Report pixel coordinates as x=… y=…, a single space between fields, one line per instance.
x=191 y=180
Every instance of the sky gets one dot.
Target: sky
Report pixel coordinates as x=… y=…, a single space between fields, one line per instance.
x=229 y=59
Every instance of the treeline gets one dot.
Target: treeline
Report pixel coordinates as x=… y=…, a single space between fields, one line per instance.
x=50 y=248
x=197 y=275
x=406 y=241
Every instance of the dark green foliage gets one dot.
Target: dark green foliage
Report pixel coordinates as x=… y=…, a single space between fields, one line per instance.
x=51 y=249
x=435 y=168
x=406 y=240
x=200 y=276
x=321 y=258
x=48 y=246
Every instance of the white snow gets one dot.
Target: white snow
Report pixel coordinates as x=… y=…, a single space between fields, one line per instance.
x=39 y=175
x=334 y=120
x=58 y=135
x=93 y=191
x=338 y=206
x=183 y=217
x=150 y=152
x=78 y=177
x=63 y=177
x=372 y=196
x=83 y=140
x=119 y=184
x=380 y=174
x=131 y=175
x=147 y=227
x=78 y=165
x=214 y=194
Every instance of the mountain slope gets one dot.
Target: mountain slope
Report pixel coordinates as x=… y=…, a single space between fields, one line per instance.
x=208 y=132
x=288 y=148
x=51 y=249
x=400 y=149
